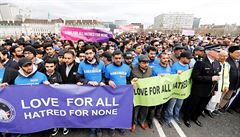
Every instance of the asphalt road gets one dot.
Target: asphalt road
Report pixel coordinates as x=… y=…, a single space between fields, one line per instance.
x=225 y=125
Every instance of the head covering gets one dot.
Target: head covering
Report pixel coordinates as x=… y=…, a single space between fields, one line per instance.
x=178 y=46
x=216 y=47
x=199 y=48
x=24 y=61
x=233 y=48
x=30 y=49
x=186 y=54
x=128 y=55
x=143 y=58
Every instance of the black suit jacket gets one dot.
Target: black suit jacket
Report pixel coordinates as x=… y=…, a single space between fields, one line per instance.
x=234 y=75
x=9 y=75
x=202 y=77
x=72 y=76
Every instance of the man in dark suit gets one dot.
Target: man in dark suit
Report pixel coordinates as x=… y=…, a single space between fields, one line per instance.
x=204 y=83
x=234 y=77
x=68 y=70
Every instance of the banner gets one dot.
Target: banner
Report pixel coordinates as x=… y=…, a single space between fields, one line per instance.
x=88 y=35
x=188 y=32
x=158 y=90
x=28 y=109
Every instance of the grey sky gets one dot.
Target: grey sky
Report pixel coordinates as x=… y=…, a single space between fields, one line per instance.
x=211 y=11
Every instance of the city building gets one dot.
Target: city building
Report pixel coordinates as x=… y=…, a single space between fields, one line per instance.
x=8 y=12
x=121 y=22
x=196 y=23
x=173 y=21
x=37 y=26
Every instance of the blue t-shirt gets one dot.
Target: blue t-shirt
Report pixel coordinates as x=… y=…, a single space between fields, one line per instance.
x=36 y=79
x=91 y=72
x=178 y=67
x=158 y=70
x=2 y=70
x=135 y=60
x=154 y=62
x=118 y=74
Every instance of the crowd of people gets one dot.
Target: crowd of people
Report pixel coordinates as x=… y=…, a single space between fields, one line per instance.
x=125 y=58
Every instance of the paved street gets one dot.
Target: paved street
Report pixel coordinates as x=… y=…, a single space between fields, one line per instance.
x=226 y=125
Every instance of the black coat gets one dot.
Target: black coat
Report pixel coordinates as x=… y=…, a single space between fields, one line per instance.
x=9 y=75
x=202 y=77
x=55 y=78
x=234 y=75
x=12 y=64
x=72 y=76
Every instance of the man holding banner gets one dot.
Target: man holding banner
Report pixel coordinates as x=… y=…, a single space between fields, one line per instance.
x=174 y=105
x=160 y=70
x=28 y=75
x=117 y=73
x=91 y=71
x=138 y=72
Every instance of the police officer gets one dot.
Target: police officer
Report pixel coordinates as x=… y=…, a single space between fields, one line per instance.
x=198 y=54
x=205 y=76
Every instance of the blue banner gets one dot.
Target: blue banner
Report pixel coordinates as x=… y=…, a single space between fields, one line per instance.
x=28 y=109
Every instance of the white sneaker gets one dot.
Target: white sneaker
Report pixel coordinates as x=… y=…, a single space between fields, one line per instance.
x=55 y=131
x=65 y=131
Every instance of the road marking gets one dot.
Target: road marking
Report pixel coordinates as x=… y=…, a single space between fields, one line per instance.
x=159 y=128
x=179 y=130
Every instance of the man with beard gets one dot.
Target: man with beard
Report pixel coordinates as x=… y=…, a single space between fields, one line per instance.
x=106 y=58
x=174 y=105
x=16 y=53
x=177 y=50
x=7 y=77
x=48 y=47
x=7 y=61
x=151 y=52
x=116 y=74
x=28 y=75
x=142 y=70
x=128 y=59
x=69 y=68
x=91 y=72
x=161 y=69
x=30 y=53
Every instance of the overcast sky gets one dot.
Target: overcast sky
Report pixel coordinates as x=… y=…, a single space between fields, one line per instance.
x=144 y=11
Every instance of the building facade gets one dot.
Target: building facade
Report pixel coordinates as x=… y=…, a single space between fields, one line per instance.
x=173 y=21
x=8 y=12
x=41 y=26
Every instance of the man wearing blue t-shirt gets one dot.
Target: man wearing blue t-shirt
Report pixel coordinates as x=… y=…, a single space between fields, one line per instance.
x=163 y=68
x=174 y=105
x=28 y=75
x=117 y=73
x=151 y=52
x=91 y=71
